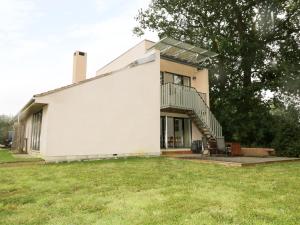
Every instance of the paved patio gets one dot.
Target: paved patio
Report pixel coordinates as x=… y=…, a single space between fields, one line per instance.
x=234 y=161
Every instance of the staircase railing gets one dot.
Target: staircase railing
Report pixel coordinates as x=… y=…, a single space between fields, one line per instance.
x=187 y=98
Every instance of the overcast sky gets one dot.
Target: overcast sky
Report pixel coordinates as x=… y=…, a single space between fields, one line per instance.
x=38 y=38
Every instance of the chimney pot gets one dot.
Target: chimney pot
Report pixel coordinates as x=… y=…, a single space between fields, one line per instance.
x=79 y=66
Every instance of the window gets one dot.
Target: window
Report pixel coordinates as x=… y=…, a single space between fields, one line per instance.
x=187 y=81
x=36 y=130
x=178 y=79
x=166 y=77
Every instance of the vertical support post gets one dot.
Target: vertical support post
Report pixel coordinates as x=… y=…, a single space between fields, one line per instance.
x=166 y=132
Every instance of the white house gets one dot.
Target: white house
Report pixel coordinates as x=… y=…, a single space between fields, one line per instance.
x=150 y=100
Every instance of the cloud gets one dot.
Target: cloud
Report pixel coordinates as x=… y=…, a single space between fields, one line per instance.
x=15 y=14
x=107 y=39
x=16 y=17
x=102 y=5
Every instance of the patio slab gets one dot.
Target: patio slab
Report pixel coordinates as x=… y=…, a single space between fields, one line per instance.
x=235 y=161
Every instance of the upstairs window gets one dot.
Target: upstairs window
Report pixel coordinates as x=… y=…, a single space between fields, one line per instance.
x=178 y=79
x=173 y=78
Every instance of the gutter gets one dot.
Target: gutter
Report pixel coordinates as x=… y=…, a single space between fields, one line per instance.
x=25 y=107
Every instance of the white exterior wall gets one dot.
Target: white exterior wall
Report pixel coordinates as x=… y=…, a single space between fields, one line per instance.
x=115 y=114
x=44 y=131
x=128 y=57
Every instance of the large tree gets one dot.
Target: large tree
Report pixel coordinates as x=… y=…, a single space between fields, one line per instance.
x=258 y=45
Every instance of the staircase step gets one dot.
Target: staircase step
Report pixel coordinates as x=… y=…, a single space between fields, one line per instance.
x=200 y=125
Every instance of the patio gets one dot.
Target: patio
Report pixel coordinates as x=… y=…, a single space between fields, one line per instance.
x=234 y=161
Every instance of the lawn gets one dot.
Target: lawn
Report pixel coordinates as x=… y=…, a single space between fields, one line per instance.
x=7 y=157
x=149 y=191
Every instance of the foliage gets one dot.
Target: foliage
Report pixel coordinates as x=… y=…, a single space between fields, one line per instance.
x=6 y=123
x=258 y=46
x=149 y=191
x=286 y=131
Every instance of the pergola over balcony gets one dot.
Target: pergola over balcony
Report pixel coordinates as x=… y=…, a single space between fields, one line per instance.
x=175 y=50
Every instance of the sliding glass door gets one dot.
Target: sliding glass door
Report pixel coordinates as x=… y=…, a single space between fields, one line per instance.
x=177 y=131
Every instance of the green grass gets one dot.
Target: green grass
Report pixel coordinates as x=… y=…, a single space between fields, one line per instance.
x=149 y=191
x=7 y=156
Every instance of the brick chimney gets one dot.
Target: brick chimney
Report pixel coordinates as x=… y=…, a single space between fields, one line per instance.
x=79 y=66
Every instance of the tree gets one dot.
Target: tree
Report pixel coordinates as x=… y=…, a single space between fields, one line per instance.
x=258 y=46
x=286 y=130
x=6 y=123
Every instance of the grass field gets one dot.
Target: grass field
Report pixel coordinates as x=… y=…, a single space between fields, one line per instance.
x=6 y=156
x=149 y=191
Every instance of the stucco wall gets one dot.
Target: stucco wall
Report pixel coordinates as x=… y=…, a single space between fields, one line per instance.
x=115 y=114
x=44 y=131
x=128 y=57
x=200 y=83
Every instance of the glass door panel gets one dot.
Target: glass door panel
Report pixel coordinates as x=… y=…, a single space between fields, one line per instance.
x=187 y=132
x=162 y=132
x=170 y=132
x=178 y=132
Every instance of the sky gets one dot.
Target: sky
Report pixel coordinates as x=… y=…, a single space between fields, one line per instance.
x=38 y=39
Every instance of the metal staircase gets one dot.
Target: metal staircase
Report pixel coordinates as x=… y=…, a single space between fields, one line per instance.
x=186 y=99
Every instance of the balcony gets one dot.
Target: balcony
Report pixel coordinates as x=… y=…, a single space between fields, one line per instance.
x=178 y=98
